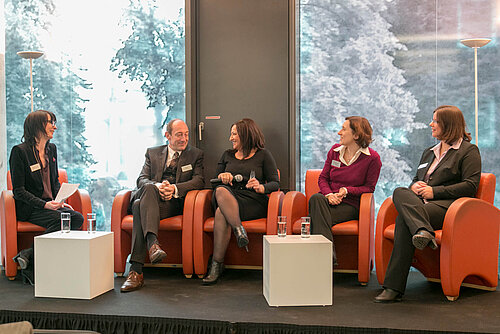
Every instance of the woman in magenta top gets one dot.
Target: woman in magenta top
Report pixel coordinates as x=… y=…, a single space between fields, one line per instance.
x=351 y=169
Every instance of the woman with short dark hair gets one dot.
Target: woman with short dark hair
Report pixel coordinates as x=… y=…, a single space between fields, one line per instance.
x=35 y=182
x=351 y=169
x=447 y=171
x=239 y=200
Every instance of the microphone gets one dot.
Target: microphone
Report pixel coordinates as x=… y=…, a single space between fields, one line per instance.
x=236 y=178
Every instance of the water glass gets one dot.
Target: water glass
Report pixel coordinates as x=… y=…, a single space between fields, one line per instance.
x=65 y=222
x=91 y=226
x=281 y=226
x=305 y=227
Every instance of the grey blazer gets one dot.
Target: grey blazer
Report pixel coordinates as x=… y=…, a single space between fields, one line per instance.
x=457 y=175
x=189 y=172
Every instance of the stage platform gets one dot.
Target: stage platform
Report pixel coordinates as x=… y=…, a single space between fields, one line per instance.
x=170 y=303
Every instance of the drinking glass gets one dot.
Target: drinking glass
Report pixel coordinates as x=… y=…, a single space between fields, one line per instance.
x=65 y=222
x=91 y=222
x=305 y=227
x=252 y=175
x=281 y=226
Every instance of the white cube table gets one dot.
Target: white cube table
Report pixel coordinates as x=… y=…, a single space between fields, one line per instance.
x=76 y=265
x=297 y=271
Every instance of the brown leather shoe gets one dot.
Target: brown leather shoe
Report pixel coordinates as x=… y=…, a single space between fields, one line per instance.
x=156 y=254
x=133 y=282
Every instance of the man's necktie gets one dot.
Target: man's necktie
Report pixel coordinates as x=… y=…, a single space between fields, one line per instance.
x=175 y=160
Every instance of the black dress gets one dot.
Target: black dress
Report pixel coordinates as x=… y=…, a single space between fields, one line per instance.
x=252 y=205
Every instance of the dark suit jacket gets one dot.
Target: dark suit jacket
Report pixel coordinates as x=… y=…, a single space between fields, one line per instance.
x=457 y=175
x=27 y=186
x=189 y=171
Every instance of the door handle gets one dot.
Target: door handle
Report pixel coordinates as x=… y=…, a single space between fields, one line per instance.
x=201 y=126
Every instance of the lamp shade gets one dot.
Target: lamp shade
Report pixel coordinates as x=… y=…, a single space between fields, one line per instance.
x=30 y=54
x=475 y=42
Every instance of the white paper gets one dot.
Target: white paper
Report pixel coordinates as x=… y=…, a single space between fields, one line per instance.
x=66 y=191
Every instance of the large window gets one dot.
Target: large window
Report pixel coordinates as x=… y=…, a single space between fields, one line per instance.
x=112 y=72
x=394 y=62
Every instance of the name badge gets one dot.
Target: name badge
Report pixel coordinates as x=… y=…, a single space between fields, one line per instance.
x=423 y=165
x=335 y=163
x=186 y=168
x=35 y=167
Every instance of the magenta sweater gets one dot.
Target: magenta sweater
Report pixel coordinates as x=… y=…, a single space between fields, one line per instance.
x=358 y=178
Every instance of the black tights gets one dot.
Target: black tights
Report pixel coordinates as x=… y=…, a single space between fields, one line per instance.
x=227 y=216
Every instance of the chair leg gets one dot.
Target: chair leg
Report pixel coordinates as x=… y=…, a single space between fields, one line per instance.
x=452 y=298
x=188 y=276
x=201 y=276
x=363 y=283
x=11 y=278
x=119 y=274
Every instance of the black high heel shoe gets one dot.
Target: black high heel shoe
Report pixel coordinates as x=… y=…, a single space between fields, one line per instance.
x=241 y=237
x=216 y=269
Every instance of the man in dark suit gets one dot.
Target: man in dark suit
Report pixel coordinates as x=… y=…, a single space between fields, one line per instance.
x=169 y=173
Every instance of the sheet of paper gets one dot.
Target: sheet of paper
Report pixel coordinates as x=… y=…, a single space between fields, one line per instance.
x=66 y=191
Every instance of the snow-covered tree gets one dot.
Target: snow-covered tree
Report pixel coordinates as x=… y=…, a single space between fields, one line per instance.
x=347 y=69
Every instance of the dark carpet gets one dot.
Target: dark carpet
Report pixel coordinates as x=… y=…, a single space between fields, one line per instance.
x=237 y=300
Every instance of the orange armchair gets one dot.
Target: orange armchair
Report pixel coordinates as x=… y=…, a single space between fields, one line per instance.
x=353 y=239
x=203 y=227
x=468 y=243
x=174 y=233
x=17 y=235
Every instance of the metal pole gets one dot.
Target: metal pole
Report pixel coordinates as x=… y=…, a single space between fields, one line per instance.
x=475 y=89
x=31 y=82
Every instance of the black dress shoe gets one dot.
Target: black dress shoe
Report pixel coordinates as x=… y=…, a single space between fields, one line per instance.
x=423 y=239
x=388 y=296
x=23 y=258
x=241 y=237
x=216 y=269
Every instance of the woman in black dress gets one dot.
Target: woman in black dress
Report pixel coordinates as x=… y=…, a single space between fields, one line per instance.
x=35 y=182
x=247 y=173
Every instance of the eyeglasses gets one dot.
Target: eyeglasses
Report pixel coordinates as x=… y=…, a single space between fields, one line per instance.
x=52 y=122
x=435 y=121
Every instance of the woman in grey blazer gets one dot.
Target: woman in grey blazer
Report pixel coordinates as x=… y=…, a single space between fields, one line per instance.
x=447 y=171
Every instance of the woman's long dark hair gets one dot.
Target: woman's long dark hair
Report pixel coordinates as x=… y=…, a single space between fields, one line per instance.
x=452 y=123
x=250 y=135
x=34 y=125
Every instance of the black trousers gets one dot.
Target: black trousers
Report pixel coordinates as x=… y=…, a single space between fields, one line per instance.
x=413 y=215
x=51 y=219
x=148 y=209
x=324 y=216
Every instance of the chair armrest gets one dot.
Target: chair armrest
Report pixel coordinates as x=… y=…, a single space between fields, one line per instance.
x=273 y=211
x=202 y=247
x=187 y=232
x=119 y=209
x=80 y=201
x=386 y=216
x=121 y=245
x=294 y=207
x=469 y=242
x=366 y=246
x=9 y=231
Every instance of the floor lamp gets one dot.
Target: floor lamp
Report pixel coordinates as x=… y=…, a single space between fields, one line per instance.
x=475 y=43
x=30 y=55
